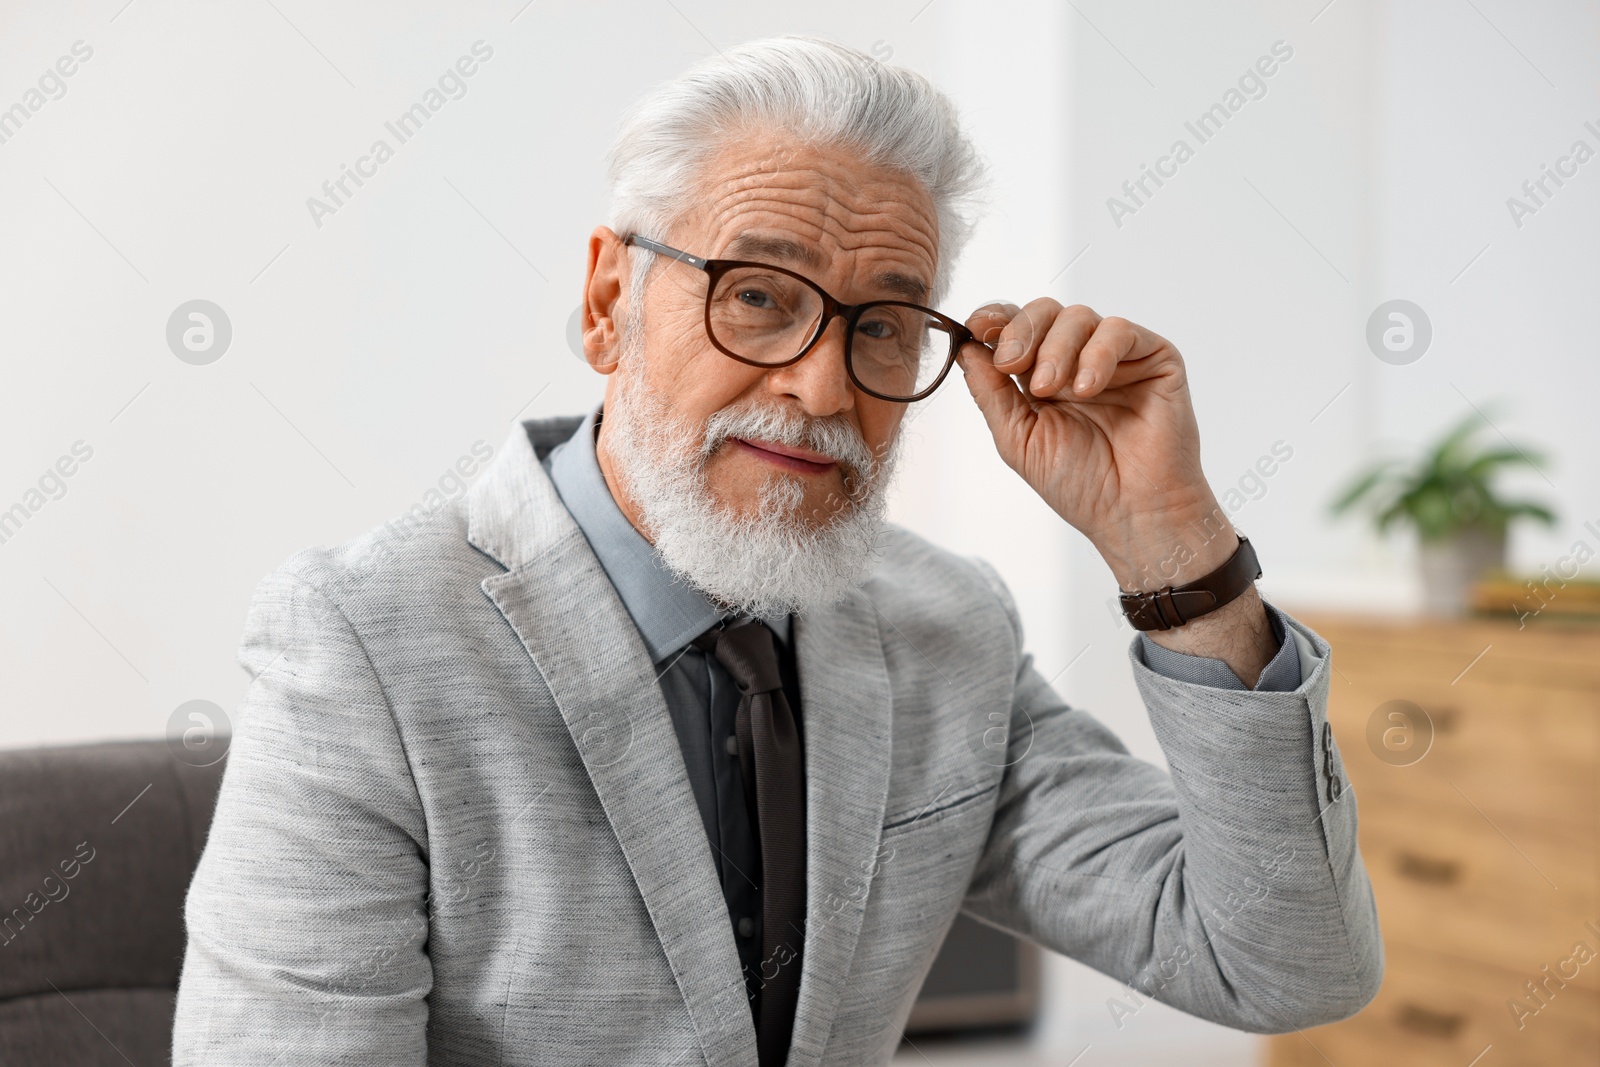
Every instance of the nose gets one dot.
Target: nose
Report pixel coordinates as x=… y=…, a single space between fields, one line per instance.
x=819 y=380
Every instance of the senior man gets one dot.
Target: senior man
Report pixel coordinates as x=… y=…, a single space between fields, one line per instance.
x=661 y=747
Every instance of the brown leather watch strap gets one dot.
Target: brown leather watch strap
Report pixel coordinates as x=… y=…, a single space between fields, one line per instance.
x=1162 y=609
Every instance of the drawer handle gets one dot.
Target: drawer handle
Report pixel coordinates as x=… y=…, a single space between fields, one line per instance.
x=1430 y=1023
x=1428 y=870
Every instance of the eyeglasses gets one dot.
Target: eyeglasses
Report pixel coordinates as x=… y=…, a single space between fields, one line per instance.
x=767 y=316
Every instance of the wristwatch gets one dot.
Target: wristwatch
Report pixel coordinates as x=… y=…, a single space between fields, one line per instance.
x=1162 y=609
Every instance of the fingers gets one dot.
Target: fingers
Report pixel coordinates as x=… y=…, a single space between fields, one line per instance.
x=1019 y=341
x=1038 y=343
x=1054 y=351
x=1103 y=358
x=1061 y=351
x=988 y=322
x=1003 y=406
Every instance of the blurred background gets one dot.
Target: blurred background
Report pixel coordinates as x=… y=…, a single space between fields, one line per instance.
x=1377 y=243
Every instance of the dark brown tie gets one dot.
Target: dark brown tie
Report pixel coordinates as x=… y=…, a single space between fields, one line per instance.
x=770 y=757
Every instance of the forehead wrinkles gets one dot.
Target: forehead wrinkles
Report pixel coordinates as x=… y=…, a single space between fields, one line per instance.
x=842 y=207
x=833 y=225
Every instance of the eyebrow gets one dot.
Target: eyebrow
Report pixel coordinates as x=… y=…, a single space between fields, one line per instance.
x=766 y=246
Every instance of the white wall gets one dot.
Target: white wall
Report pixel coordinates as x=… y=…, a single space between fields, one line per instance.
x=431 y=310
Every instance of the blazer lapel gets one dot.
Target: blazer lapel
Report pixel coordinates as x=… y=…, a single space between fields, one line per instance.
x=845 y=712
x=557 y=598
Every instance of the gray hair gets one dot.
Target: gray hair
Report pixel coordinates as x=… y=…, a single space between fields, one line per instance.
x=820 y=92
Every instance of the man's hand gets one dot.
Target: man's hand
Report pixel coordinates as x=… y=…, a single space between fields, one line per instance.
x=1094 y=413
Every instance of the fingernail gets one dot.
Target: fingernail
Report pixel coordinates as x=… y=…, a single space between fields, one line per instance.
x=1085 y=381
x=1044 y=379
x=1006 y=351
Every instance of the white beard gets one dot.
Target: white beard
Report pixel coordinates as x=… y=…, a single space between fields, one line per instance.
x=776 y=560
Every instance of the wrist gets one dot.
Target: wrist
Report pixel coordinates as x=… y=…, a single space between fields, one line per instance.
x=1155 y=551
x=1239 y=633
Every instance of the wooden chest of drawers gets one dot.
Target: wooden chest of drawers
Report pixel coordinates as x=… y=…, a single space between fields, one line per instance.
x=1484 y=853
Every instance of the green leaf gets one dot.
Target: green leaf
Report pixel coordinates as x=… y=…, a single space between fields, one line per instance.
x=1363 y=485
x=1530 y=509
x=1432 y=513
x=1485 y=462
x=1445 y=451
x=1449 y=488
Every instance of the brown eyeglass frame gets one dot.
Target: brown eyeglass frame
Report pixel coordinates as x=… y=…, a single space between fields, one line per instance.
x=831 y=309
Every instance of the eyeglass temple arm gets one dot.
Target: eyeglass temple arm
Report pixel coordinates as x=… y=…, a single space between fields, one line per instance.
x=657 y=246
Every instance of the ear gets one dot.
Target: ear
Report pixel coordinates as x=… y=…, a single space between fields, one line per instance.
x=603 y=286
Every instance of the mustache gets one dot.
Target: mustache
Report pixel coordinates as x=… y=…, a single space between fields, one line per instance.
x=832 y=436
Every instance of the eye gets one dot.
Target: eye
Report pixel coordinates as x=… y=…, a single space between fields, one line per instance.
x=876 y=329
x=756 y=298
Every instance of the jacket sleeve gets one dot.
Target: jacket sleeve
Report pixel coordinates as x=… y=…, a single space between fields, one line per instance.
x=307 y=915
x=1229 y=887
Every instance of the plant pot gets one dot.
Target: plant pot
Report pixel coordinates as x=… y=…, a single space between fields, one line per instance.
x=1451 y=565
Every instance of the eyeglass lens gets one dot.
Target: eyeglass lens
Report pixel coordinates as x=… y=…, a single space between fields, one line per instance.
x=766 y=316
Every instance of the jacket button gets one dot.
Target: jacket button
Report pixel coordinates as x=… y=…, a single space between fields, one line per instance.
x=732 y=744
x=747 y=926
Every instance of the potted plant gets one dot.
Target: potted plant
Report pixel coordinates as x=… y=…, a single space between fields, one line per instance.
x=1448 y=497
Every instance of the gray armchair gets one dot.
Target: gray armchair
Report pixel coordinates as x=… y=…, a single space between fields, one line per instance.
x=97 y=846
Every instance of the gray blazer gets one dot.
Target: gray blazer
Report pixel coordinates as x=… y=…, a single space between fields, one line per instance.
x=455 y=826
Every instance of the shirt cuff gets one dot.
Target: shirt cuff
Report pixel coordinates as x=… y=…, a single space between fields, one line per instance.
x=1281 y=674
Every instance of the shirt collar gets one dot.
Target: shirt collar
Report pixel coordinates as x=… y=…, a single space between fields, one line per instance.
x=668 y=611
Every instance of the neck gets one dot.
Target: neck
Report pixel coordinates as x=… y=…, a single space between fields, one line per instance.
x=625 y=504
